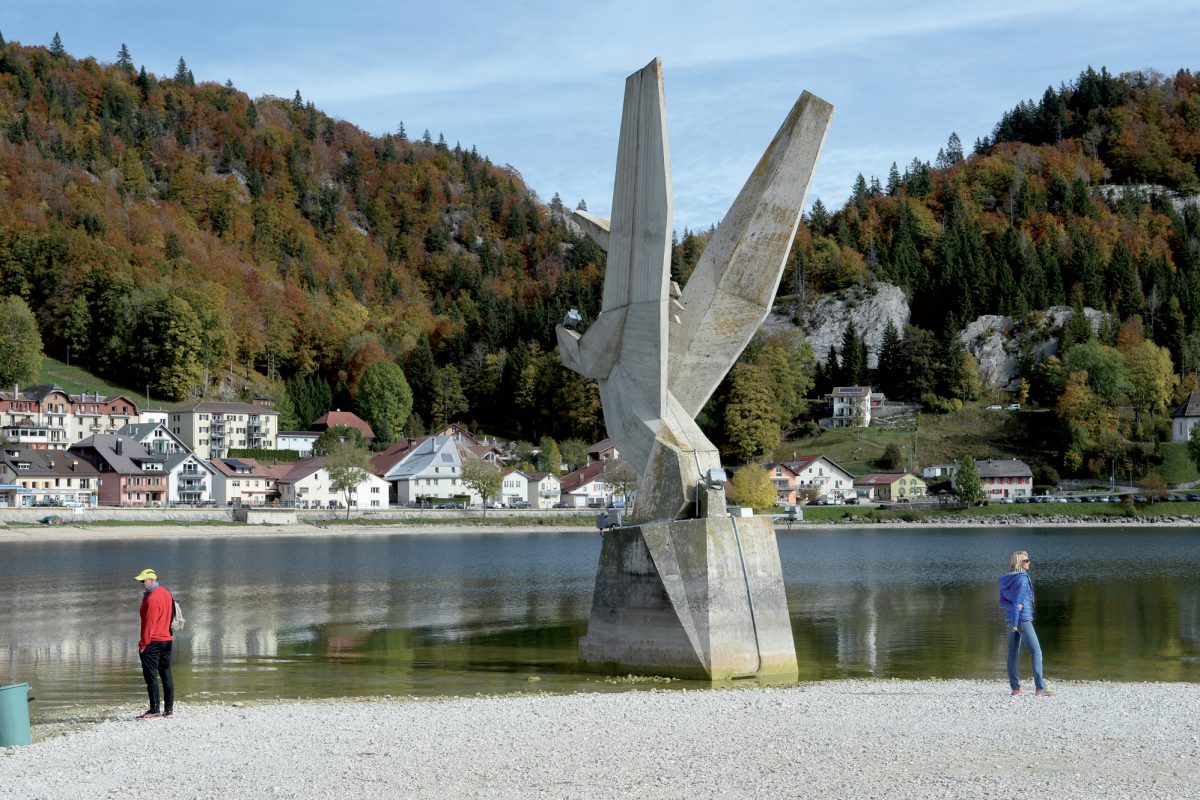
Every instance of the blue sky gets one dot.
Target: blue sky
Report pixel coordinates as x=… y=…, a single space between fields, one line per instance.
x=539 y=85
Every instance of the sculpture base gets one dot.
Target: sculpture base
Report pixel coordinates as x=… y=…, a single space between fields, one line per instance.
x=694 y=598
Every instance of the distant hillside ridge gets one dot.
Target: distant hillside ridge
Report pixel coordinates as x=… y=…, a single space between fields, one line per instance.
x=168 y=231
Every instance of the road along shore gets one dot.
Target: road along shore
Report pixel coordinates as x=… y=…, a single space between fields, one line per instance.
x=864 y=739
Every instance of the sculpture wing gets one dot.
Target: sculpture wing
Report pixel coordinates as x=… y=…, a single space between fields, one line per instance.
x=731 y=290
x=631 y=330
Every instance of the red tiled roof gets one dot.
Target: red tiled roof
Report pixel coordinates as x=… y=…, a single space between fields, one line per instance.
x=878 y=478
x=389 y=458
x=572 y=481
x=346 y=419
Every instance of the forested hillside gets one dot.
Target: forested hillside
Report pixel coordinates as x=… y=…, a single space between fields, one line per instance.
x=1086 y=198
x=171 y=232
x=180 y=236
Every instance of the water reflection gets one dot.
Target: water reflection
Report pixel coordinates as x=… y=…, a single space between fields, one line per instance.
x=331 y=616
x=1111 y=604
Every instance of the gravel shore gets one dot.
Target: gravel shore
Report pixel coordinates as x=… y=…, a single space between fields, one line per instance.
x=843 y=739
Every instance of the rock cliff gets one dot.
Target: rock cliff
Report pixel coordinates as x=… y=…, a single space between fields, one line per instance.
x=995 y=341
x=825 y=321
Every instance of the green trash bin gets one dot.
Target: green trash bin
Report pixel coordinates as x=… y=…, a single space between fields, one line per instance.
x=14 y=715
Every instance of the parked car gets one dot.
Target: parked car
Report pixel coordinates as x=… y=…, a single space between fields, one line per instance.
x=1192 y=498
x=561 y=504
x=521 y=504
x=994 y=407
x=1014 y=406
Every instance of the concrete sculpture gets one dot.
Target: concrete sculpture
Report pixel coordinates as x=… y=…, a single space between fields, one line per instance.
x=690 y=591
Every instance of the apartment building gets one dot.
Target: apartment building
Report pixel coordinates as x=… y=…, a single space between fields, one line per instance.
x=211 y=428
x=47 y=417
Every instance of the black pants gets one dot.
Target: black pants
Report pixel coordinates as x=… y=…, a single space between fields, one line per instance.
x=156 y=661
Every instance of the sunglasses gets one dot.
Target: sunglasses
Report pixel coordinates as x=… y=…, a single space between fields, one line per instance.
x=1024 y=560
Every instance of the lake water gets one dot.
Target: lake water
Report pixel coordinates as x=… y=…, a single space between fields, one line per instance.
x=325 y=616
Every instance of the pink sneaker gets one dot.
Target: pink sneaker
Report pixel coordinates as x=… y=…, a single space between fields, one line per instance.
x=1044 y=693
x=1016 y=692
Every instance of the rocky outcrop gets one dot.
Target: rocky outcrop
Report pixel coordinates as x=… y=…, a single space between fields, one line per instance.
x=996 y=342
x=825 y=321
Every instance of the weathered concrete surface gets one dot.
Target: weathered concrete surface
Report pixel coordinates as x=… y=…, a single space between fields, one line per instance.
x=658 y=359
x=253 y=515
x=681 y=598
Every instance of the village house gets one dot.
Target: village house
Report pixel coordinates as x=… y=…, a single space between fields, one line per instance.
x=46 y=477
x=210 y=429
x=851 y=406
x=819 y=477
x=427 y=470
x=783 y=478
x=299 y=441
x=46 y=417
x=544 y=489
x=344 y=419
x=190 y=479
x=307 y=484
x=1000 y=478
x=889 y=487
x=1185 y=417
x=130 y=475
x=458 y=433
x=585 y=487
x=603 y=450
x=514 y=488
x=155 y=437
x=243 y=482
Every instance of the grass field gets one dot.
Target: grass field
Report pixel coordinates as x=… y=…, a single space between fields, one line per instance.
x=937 y=439
x=1177 y=466
x=76 y=380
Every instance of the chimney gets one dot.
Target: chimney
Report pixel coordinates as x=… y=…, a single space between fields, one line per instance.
x=118 y=447
x=74 y=464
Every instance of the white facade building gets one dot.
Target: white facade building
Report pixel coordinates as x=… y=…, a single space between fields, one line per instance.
x=431 y=470
x=308 y=485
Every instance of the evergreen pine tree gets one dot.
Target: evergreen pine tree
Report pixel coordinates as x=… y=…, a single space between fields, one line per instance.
x=181 y=72
x=56 y=46
x=833 y=368
x=1126 y=285
x=854 y=356
x=818 y=218
x=886 y=371
x=893 y=180
x=422 y=377
x=123 y=59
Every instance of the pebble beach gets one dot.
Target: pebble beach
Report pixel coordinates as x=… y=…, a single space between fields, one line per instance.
x=840 y=739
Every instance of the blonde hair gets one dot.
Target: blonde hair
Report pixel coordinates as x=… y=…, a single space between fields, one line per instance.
x=1017 y=558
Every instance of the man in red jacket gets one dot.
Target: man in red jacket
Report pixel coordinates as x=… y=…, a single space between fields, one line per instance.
x=154 y=646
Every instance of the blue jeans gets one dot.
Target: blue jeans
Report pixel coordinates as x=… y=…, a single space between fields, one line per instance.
x=1026 y=634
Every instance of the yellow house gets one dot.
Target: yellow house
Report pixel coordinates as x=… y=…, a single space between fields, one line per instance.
x=889 y=487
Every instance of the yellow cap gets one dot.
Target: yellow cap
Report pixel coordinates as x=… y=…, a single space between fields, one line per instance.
x=147 y=573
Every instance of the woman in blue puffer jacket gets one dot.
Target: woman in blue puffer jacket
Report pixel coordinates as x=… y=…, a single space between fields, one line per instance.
x=1016 y=597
